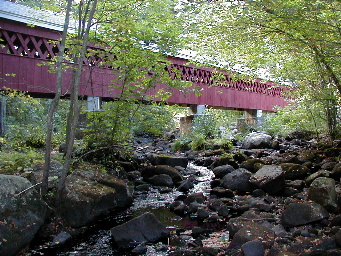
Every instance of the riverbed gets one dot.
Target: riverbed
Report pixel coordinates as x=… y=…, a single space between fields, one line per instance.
x=98 y=241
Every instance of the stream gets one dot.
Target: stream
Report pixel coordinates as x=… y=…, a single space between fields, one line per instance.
x=98 y=242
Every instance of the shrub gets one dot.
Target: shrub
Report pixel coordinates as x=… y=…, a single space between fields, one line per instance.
x=13 y=161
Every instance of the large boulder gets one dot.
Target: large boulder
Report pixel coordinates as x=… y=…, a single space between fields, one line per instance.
x=123 y=197
x=170 y=160
x=151 y=171
x=237 y=180
x=297 y=214
x=257 y=140
x=22 y=212
x=90 y=194
x=322 y=191
x=269 y=178
x=145 y=228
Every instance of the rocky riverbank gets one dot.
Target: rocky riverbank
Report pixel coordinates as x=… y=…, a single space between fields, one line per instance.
x=276 y=197
x=266 y=197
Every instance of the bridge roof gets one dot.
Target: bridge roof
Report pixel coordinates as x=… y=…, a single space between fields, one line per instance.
x=29 y=15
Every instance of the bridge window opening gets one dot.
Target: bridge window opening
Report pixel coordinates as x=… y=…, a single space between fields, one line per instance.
x=16 y=43
x=43 y=50
x=3 y=41
x=55 y=50
x=31 y=47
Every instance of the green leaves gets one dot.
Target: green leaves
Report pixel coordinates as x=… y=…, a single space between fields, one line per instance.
x=294 y=41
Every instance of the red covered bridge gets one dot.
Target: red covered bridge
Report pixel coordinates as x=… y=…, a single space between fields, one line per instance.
x=23 y=47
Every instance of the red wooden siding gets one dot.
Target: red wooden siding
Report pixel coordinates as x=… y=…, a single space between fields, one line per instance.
x=22 y=48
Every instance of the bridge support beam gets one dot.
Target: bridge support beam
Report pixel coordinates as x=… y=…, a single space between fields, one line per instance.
x=186 y=122
x=93 y=103
x=252 y=117
x=197 y=109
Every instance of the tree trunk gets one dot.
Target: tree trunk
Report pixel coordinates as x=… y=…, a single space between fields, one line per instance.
x=55 y=101
x=331 y=113
x=74 y=108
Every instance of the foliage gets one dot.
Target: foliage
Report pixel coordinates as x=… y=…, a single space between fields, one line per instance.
x=284 y=41
x=110 y=126
x=25 y=124
x=152 y=120
x=181 y=143
x=198 y=141
x=223 y=142
x=210 y=129
x=205 y=125
x=13 y=161
x=120 y=121
x=300 y=117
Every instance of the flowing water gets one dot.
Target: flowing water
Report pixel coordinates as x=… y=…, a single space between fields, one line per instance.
x=98 y=242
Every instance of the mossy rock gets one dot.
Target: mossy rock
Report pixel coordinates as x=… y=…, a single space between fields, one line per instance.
x=294 y=171
x=90 y=194
x=151 y=171
x=252 y=165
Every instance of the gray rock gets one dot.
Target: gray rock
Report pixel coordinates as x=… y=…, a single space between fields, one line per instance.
x=123 y=197
x=150 y=171
x=257 y=140
x=215 y=204
x=195 y=197
x=297 y=214
x=61 y=238
x=312 y=177
x=245 y=220
x=222 y=192
x=21 y=215
x=261 y=205
x=193 y=207
x=140 y=249
x=253 y=248
x=145 y=228
x=322 y=191
x=269 y=178
x=252 y=232
x=224 y=211
x=222 y=170
x=338 y=238
x=186 y=185
x=180 y=209
x=170 y=160
x=329 y=166
x=237 y=180
x=203 y=213
x=161 y=180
